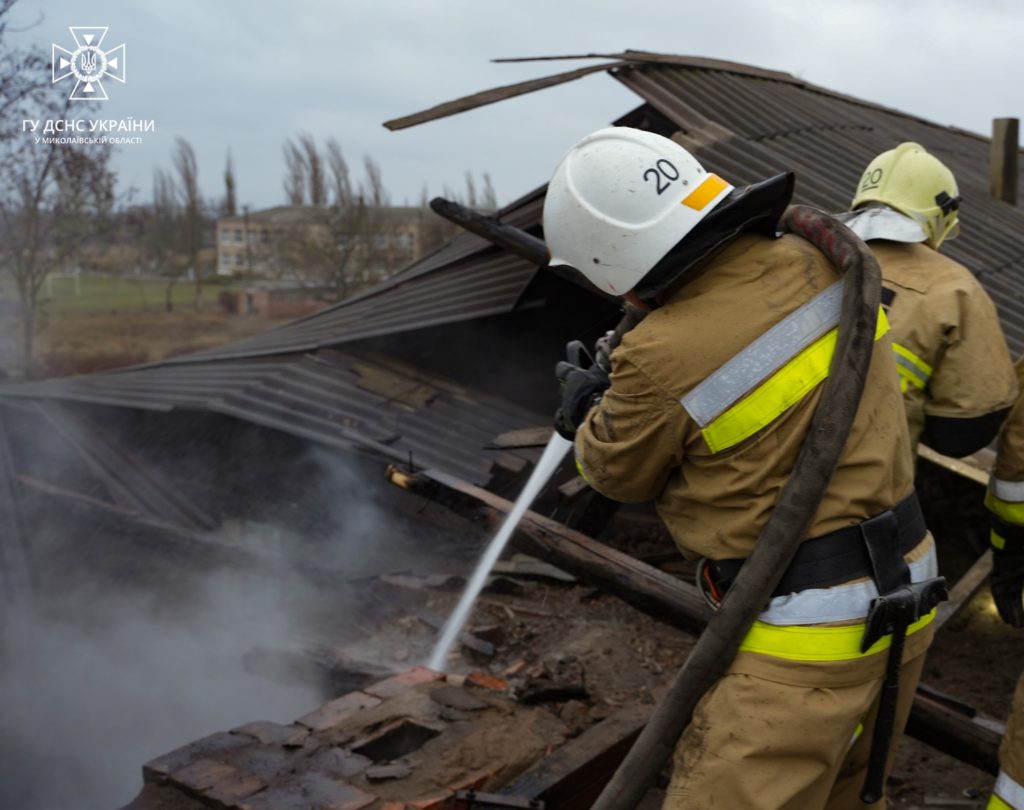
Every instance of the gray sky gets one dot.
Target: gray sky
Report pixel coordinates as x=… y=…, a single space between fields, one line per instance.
x=246 y=75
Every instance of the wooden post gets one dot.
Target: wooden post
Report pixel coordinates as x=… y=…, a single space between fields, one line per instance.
x=1005 y=137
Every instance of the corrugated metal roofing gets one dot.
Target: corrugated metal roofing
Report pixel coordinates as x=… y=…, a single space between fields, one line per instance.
x=333 y=398
x=744 y=123
x=747 y=127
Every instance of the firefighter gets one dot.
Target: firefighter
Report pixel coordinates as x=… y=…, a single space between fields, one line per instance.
x=705 y=407
x=1005 y=500
x=955 y=369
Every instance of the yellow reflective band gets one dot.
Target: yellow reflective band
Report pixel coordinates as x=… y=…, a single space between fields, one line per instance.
x=912 y=369
x=910 y=377
x=995 y=803
x=998 y=541
x=579 y=469
x=712 y=186
x=778 y=393
x=1008 y=511
x=903 y=351
x=856 y=734
x=803 y=643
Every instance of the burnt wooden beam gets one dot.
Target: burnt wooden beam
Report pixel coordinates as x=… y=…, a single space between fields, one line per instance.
x=679 y=603
x=471 y=102
x=643 y=586
x=574 y=775
x=508 y=237
x=954 y=733
x=1005 y=151
x=512 y=239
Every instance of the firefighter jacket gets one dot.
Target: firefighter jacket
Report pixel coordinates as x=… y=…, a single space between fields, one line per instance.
x=955 y=369
x=712 y=394
x=1005 y=499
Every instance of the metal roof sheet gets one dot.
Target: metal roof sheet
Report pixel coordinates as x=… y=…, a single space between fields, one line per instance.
x=335 y=398
x=747 y=127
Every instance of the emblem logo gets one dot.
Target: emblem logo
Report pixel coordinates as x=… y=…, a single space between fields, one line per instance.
x=88 y=63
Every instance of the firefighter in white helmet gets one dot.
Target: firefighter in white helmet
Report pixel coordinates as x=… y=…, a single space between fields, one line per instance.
x=703 y=411
x=955 y=369
x=1005 y=500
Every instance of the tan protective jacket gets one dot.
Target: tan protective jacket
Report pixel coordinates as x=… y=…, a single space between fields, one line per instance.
x=640 y=443
x=952 y=355
x=1010 y=447
x=1004 y=498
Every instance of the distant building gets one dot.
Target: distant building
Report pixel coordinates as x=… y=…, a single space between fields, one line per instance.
x=263 y=243
x=274 y=299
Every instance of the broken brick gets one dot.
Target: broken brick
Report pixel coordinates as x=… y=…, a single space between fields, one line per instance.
x=274 y=733
x=404 y=680
x=485 y=681
x=203 y=774
x=234 y=788
x=159 y=769
x=330 y=714
x=442 y=802
x=307 y=790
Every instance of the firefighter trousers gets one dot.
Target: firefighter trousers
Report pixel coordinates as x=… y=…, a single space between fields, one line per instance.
x=785 y=735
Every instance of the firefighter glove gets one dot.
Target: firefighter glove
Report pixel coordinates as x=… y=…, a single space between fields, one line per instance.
x=583 y=383
x=1008 y=582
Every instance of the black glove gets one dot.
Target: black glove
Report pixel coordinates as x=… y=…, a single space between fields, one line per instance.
x=1007 y=580
x=583 y=383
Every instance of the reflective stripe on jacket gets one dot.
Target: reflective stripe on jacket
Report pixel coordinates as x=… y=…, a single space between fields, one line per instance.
x=715 y=484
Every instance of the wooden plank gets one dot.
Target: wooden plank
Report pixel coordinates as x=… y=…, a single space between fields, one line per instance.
x=643 y=586
x=1005 y=150
x=965 y=588
x=954 y=733
x=525 y=437
x=573 y=776
x=471 y=102
x=972 y=472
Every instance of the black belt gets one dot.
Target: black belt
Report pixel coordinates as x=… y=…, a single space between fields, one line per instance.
x=834 y=558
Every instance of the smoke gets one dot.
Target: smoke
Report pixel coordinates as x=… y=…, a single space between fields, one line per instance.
x=137 y=642
x=98 y=682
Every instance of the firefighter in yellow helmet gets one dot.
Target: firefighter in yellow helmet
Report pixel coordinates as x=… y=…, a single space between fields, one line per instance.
x=703 y=410
x=955 y=369
x=1005 y=500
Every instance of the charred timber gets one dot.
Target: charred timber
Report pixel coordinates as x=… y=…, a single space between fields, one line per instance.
x=508 y=237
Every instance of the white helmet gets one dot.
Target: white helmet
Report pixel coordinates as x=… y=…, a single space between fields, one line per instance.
x=620 y=200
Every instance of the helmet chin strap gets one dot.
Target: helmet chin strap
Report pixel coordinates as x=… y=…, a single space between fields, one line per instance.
x=753 y=209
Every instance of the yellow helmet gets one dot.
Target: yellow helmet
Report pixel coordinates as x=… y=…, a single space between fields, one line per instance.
x=914 y=183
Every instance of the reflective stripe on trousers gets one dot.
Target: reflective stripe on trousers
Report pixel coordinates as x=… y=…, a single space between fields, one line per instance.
x=770 y=375
x=791 y=628
x=1007 y=794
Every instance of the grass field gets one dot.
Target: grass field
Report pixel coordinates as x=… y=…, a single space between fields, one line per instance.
x=106 y=294
x=113 y=322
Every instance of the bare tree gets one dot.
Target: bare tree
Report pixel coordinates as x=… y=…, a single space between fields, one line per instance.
x=163 y=227
x=373 y=190
x=316 y=184
x=229 y=207
x=294 y=174
x=53 y=196
x=488 y=199
x=337 y=166
x=192 y=221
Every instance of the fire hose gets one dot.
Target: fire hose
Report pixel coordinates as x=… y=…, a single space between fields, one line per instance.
x=790 y=520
